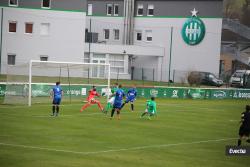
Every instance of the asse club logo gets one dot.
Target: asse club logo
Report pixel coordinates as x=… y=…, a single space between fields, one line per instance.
x=193 y=30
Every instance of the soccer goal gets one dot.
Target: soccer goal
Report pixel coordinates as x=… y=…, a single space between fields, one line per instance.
x=32 y=82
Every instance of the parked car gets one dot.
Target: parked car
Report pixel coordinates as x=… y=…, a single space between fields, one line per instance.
x=204 y=78
x=238 y=77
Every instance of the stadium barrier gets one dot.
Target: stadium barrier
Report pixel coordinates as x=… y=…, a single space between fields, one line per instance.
x=142 y=75
x=43 y=90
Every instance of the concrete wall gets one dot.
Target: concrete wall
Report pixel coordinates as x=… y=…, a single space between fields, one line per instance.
x=98 y=24
x=212 y=8
x=167 y=14
x=201 y=57
x=55 y=4
x=4 y=2
x=144 y=56
x=129 y=49
x=99 y=6
x=65 y=41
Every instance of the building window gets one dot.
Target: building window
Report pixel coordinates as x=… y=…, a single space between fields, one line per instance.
x=28 y=28
x=46 y=4
x=12 y=26
x=44 y=58
x=90 y=11
x=139 y=36
x=116 y=10
x=11 y=59
x=109 y=9
x=139 y=10
x=149 y=36
x=116 y=63
x=150 y=10
x=106 y=33
x=99 y=57
x=45 y=28
x=13 y=2
x=116 y=34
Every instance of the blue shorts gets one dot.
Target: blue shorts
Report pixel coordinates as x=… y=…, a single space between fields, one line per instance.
x=117 y=105
x=56 y=101
x=129 y=99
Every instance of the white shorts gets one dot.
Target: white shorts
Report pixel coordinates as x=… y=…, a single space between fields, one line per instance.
x=151 y=113
x=112 y=100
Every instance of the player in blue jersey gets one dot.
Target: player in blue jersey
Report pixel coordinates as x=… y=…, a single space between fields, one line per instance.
x=56 y=93
x=119 y=94
x=112 y=99
x=131 y=96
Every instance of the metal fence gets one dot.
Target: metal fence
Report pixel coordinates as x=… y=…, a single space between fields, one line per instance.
x=177 y=77
x=140 y=76
x=151 y=74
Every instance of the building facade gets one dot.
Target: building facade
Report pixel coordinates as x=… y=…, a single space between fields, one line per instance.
x=47 y=30
x=137 y=37
x=150 y=35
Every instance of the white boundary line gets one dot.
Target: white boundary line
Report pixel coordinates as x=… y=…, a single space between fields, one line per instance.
x=70 y=115
x=233 y=120
x=80 y=103
x=49 y=116
x=114 y=150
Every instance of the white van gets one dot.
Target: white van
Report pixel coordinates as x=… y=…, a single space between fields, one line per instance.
x=237 y=79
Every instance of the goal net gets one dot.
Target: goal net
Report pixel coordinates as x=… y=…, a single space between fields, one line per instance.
x=32 y=82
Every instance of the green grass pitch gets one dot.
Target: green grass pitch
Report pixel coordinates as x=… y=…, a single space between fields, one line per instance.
x=186 y=133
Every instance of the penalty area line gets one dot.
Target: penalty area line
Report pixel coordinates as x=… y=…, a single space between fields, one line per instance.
x=67 y=115
x=114 y=150
x=233 y=120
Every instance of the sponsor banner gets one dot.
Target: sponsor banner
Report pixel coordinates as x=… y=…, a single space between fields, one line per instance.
x=39 y=90
x=241 y=94
x=2 y=89
x=220 y=94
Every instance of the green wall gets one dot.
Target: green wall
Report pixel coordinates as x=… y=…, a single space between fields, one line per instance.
x=39 y=90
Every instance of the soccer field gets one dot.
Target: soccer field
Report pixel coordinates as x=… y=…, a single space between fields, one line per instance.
x=190 y=133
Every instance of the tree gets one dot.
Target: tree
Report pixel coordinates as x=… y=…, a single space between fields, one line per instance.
x=245 y=18
x=232 y=8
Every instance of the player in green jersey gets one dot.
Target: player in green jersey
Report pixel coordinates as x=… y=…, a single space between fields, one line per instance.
x=151 y=108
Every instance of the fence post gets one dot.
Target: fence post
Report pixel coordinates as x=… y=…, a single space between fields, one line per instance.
x=142 y=76
x=161 y=75
x=173 y=75
x=117 y=77
x=153 y=74
x=60 y=74
x=170 y=54
x=132 y=72
x=88 y=75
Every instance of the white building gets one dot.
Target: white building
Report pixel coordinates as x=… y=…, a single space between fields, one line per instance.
x=41 y=30
x=141 y=39
x=144 y=39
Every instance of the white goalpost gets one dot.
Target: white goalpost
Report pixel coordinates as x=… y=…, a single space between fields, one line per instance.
x=31 y=82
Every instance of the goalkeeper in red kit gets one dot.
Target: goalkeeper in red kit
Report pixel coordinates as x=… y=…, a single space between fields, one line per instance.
x=91 y=99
